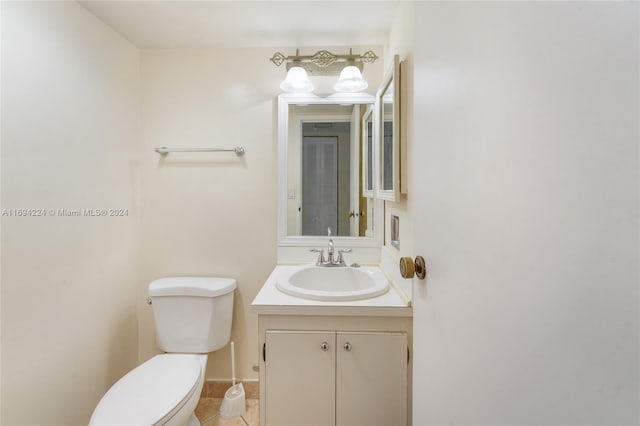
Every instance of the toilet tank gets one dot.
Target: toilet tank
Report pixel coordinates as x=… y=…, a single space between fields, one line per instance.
x=192 y=314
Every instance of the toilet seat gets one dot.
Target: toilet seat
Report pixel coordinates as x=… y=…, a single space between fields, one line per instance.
x=151 y=393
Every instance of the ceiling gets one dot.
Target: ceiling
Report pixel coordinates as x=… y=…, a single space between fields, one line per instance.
x=184 y=24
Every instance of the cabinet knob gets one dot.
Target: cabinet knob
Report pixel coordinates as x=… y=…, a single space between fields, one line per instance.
x=347 y=346
x=324 y=346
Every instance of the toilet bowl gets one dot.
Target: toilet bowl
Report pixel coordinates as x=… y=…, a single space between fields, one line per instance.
x=193 y=317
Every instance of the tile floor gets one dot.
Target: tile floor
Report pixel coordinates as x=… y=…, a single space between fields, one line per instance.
x=208 y=412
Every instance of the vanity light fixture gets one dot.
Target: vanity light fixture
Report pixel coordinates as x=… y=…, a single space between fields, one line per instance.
x=297 y=81
x=351 y=80
x=324 y=63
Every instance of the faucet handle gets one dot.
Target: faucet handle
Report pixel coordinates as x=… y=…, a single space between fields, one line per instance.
x=320 y=256
x=340 y=257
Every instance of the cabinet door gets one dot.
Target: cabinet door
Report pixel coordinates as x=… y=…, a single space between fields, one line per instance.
x=371 y=379
x=300 y=378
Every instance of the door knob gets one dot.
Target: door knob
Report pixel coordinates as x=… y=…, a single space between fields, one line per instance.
x=347 y=346
x=324 y=346
x=409 y=267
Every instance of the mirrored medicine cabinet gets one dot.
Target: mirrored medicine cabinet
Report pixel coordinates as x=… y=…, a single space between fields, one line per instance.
x=338 y=159
x=326 y=170
x=388 y=110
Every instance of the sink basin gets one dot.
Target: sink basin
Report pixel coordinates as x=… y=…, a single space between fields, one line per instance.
x=334 y=284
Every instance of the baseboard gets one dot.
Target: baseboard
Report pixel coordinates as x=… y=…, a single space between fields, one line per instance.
x=217 y=388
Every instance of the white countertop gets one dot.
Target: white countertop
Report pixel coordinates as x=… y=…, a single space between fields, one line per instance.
x=271 y=301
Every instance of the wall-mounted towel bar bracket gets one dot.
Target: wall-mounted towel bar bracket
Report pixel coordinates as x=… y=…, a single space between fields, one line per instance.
x=163 y=150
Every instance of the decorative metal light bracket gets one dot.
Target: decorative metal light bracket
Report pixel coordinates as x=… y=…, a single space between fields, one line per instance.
x=324 y=62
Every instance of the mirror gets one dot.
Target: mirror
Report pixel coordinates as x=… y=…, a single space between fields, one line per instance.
x=368 y=176
x=321 y=175
x=388 y=108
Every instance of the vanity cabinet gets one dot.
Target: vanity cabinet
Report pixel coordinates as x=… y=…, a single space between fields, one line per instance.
x=344 y=363
x=315 y=377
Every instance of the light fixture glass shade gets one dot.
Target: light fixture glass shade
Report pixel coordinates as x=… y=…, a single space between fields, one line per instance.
x=350 y=80
x=297 y=80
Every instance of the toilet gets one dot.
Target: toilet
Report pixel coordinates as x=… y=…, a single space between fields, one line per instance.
x=192 y=318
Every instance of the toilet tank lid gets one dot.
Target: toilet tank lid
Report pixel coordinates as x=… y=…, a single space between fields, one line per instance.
x=191 y=286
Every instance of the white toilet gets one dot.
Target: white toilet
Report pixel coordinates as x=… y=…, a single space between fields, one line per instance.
x=192 y=317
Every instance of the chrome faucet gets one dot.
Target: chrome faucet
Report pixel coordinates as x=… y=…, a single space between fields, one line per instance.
x=330 y=247
x=331 y=260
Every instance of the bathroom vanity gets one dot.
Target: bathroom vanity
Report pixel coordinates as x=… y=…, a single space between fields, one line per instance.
x=333 y=362
x=335 y=340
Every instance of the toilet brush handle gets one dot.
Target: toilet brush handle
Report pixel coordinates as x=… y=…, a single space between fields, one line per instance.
x=233 y=364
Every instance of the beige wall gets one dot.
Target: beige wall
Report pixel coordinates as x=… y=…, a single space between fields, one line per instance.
x=70 y=97
x=210 y=214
